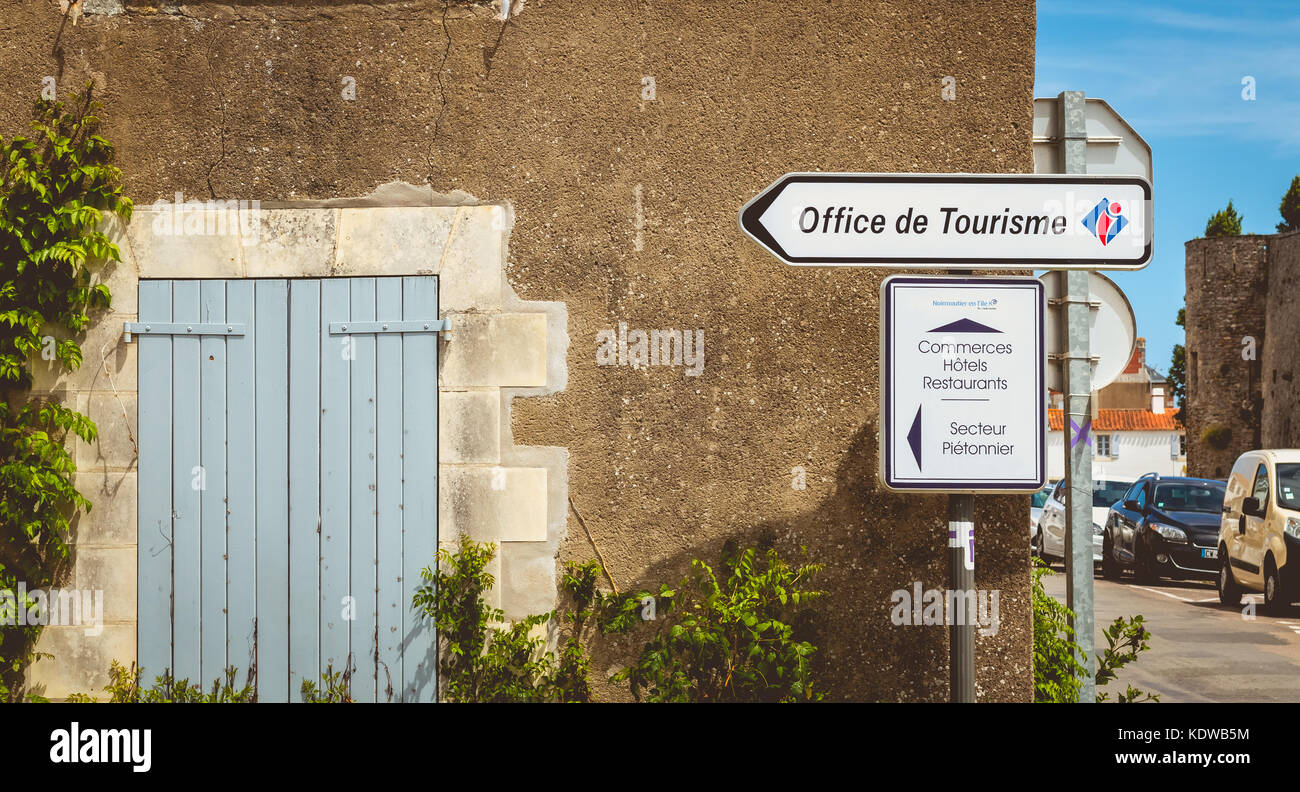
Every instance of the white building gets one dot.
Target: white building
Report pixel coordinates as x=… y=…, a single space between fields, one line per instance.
x=1135 y=431
x=1125 y=444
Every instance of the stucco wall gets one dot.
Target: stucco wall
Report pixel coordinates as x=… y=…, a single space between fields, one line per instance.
x=625 y=211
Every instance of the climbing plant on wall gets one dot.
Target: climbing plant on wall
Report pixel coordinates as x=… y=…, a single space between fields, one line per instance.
x=57 y=183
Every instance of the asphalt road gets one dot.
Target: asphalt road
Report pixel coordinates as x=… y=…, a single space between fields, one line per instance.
x=1200 y=650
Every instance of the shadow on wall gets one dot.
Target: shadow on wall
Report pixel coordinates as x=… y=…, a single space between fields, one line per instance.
x=872 y=543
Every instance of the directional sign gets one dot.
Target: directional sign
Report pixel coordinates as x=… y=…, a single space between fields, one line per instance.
x=965 y=401
x=954 y=220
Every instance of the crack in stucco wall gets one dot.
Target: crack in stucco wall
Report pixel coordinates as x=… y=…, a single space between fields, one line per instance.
x=490 y=53
x=221 y=131
x=442 y=89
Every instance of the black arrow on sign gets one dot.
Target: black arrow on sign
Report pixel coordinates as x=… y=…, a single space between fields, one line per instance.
x=914 y=437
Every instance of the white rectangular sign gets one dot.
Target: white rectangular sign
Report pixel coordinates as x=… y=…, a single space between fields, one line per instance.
x=954 y=220
x=964 y=397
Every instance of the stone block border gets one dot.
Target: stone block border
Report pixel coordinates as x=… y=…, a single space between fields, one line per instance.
x=500 y=347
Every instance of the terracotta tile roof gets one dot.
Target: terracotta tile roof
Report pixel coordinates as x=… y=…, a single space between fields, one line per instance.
x=1122 y=420
x=1136 y=362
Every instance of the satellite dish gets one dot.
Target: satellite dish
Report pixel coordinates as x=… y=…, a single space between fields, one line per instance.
x=1112 y=328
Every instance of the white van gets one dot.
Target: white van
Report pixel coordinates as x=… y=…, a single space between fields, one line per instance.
x=1259 y=535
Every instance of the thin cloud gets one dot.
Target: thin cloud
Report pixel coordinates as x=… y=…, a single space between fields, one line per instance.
x=1187 y=86
x=1260 y=24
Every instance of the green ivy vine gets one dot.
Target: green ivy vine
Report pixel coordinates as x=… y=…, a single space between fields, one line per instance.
x=57 y=183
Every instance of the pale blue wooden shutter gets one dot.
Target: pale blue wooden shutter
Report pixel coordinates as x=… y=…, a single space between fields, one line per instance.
x=288 y=481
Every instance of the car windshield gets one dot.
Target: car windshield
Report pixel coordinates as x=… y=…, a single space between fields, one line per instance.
x=1106 y=493
x=1039 y=498
x=1185 y=496
x=1288 y=486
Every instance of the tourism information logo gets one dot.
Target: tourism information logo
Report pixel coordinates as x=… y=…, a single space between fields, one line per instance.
x=1105 y=220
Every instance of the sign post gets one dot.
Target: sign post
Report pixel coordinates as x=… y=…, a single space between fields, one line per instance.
x=1074 y=135
x=1078 y=425
x=961 y=579
x=963 y=411
x=964 y=394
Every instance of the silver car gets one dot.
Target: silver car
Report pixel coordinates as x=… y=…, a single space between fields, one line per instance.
x=1036 y=502
x=1049 y=540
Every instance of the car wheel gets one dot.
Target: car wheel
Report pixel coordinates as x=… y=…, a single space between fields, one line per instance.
x=1110 y=568
x=1275 y=599
x=1143 y=568
x=1229 y=591
x=1038 y=546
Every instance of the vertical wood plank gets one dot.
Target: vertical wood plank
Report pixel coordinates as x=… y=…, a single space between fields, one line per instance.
x=241 y=480
x=364 y=486
x=212 y=485
x=388 y=463
x=304 y=392
x=154 y=490
x=420 y=482
x=186 y=480
x=335 y=478
x=273 y=488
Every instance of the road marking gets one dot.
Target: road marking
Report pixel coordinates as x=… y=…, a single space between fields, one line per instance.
x=1172 y=596
x=1293 y=626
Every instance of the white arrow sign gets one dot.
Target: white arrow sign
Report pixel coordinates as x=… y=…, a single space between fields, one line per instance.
x=954 y=220
x=965 y=403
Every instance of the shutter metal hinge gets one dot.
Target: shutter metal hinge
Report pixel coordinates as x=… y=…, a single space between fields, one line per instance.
x=442 y=326
x=180 y=328
x=130 y=329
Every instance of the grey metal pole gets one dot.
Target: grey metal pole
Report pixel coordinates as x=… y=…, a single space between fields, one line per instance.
x=1078 y=413
x=961 y=580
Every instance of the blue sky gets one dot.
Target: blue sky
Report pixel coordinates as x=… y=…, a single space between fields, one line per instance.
x=1174 y=72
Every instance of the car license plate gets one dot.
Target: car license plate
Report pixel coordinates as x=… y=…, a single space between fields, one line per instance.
x=1209 y=553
